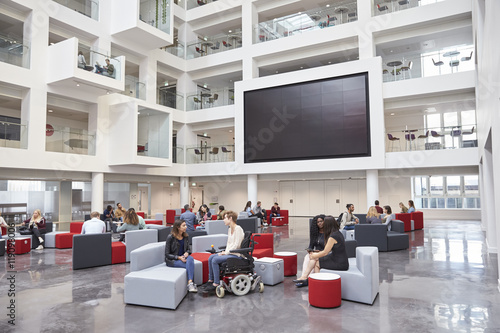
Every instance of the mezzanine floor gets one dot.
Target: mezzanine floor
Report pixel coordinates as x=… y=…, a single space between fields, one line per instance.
x=445 y=282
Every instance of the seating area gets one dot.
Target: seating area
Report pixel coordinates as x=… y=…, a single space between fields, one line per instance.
x=377 y=235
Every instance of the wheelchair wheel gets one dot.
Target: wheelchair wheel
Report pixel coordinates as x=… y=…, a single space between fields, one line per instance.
x=219 y=291
x=261 y=287
x=241 y=285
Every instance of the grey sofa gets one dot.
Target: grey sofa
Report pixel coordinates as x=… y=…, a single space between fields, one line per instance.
x=249 y=224
x=163 y=231
x=136 y=238
x=91 y=250
x=216 y=227
x=377 y=235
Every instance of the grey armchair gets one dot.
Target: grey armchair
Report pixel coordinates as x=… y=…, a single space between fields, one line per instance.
x=377 y=235
x=91 y=250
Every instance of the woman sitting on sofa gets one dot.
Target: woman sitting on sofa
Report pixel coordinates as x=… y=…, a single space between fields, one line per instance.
x=35 y=225
x=373 y=217
x=130 y=221
x=316 y=238
x=333 y=256
x=177 y=252
x=411 y=207
x=388 y=217
x=404 y=209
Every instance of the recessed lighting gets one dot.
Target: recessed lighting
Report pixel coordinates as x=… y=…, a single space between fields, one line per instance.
x=205 y=85
x=107 y=92
x=50 y=111
x=300 y=13
x=327 y=6
x=301 y=67
x=171 y=184
x=329 y=62
x=230 y=31
x=230 y=131
x=166 y=83
x=276 y=72
x=392 y=114
x=205 y=134
x=78 y=84
x=193 y=184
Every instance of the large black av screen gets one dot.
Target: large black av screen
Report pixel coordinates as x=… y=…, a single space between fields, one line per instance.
x=328 y=118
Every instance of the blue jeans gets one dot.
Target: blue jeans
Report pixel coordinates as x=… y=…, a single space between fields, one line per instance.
x=213 y=266
x=188 y=265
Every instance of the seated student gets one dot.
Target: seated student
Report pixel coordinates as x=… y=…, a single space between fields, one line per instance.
x=82 y=63
x=275 y=212
x=202 y=216
x=94 y=225
x=220 y=214
x=130 y=221
x=260 y=213
x=235 y=237
x=333 y=256
x=120 y=211
x=35 y=225
x=177 y=252
x=373 y=217
x=107 y=70
x=411 y=205
x=386 y=220
x=404 y=209
x=248 y=209
x=349 y=220
x=108 y=216
x=316 y=238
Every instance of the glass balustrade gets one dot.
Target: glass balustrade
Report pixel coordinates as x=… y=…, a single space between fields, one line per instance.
x=209 y=99
x=13 y=135
x=432 y=138
x=156 y=13
x=213 y=44
x=210 y=154
x=314 y=19
x=391 y=6
x=97 y=63
x=411 y=66
x=196 y=3
x=176 y=49
x=134 y=88
x=178 y=156
x=62 y=139
x=13 y=51
x=170 y=99
x=88 y=8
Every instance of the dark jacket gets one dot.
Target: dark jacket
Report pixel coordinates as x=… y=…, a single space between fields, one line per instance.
x=172 y=248
x=40 y=225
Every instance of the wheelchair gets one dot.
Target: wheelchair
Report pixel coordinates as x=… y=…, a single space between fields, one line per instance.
x=237 y=274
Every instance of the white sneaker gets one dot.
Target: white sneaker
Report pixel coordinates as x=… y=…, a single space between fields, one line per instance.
x=40 y=247
x=265 y=224
x=192 y=288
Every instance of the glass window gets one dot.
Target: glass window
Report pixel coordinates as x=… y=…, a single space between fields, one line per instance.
x=453 y=185
x=420 y=185
x=471 y=187
x=436 y=185
x=441 y=203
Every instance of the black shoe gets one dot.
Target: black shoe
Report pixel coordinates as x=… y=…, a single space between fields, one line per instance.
x=299 y=281
x=303 y=283
x=209 y=288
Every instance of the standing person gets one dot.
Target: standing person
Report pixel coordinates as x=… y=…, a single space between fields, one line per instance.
x=379 y=209
x=202 y=216
x=411 y=205
x=404 y=209
x=189 y=217
x=177 y=252
x=220 y=215
x=373 y=217
x=386 y=220
x=316 y=238
x=333 y=256
x=94 y=225
x=260 y=212
x=235 y=237
x=349 y=220
x=35 y=225
x=120 y=211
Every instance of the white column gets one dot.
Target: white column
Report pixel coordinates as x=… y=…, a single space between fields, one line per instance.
x=97 y=192
x=147 y=75
x=65 y=201
x=366 y=26
x=371 y=187
x=184 y=191
x=249 y=19
x=488 y=202
x=252 y=188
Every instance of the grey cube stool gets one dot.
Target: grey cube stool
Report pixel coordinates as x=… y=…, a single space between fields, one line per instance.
x=271 y=270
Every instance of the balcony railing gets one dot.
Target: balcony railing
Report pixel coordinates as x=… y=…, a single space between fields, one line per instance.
x=134 y=88
x=447 y=137
x=170 y=99
x=411 y=66
x=209 y=99
x=88 y=8
x=385 y=7
x=213 y=44
x=177 y=49
x=98 y=65
x=13 y=135
x=156 y=13
x=298 y=23
x=13 y=51
x=70 y=140
x=210 y=154
x=197 y=3
x=178 y=156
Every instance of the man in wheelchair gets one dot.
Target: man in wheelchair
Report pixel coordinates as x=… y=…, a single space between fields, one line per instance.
x=232 y=269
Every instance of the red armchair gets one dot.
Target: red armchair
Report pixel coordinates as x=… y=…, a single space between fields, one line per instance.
x=418 y=220
x=265 y=248
x=278 y=222
x=406 y=218
x=170 y=216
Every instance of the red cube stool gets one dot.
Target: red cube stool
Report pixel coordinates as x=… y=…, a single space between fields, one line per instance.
x=290 y=260
x=21 y=245
x=203 y=257
x=118 y=253
x=324 y=290
x=64 y=241
x=278 y=221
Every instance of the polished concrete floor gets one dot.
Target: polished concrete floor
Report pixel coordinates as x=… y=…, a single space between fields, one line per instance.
x=445 y=282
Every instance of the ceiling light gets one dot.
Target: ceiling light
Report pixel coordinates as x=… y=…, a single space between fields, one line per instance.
x=50 y=111
x=77 y=84
x=301 y=67
x=107 y=92
x=171 y=184
x=230 y=131
x=230 y=31
x=205 y=85
x=193 y=184
x=392 y=114
x=329 y=62
x=204 y=134
x=276 y=72
x=327 y=6
x=166 y=83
